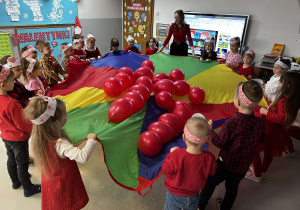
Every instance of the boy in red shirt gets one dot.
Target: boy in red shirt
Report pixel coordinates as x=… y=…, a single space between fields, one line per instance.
x=187 y=169
x=237 y=140
x=15 y=132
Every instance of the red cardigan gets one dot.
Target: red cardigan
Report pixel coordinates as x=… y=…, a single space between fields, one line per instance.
x=13 y=125
x=179 y=35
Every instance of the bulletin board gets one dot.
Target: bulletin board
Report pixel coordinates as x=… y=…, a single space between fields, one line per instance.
x=37 y=12
x=55 y=36
x=138 y=22
x=162 y=31
x=5 y=47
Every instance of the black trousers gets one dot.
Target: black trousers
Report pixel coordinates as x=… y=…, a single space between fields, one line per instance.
x=179 y=48
x=231 y=184
x=17 y=162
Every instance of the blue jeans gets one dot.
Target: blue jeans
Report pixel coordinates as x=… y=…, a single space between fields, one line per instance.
x=174 y=202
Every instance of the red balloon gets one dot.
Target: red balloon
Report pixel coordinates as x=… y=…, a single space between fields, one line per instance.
x=149 y=143
x=164 y=99
x=164 y=85
x=165 y=132
x=127 y=71
x=172 y=121
x=149 y=64
x=182 y=87
x=141 y=89
x=143 y=71
x=112 y=87
x=158 y=77
x=136 y=99
x=183 y=113
x=125 y=79
x=196 y=95
x=120 y=110
x=178 y=103
x=146 y=81
x=176 y=74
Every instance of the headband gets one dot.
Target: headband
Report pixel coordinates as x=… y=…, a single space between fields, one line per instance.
x=78 y=40
x=130 y=38
x=12 y=62
x=29 y=50
x=89 y=36
x=281 y=64
x=195 y=139
x=31 y=64
x=4 y=73
x=235 y=40
x=251 y=52
x=50 y=110
x=64 y=48
x=244 y=98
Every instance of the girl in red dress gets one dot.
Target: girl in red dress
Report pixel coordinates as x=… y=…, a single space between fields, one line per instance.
x=62 y=186
x=92 y=52
x=246 y=69
x=151 y=46
x=280 y=115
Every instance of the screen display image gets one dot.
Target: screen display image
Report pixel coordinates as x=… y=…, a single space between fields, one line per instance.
x=224 y=27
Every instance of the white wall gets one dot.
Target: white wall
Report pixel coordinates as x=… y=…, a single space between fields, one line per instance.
x=271 y=21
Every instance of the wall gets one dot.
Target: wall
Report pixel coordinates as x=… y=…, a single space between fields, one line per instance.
x=103 y=19
x=271 y=21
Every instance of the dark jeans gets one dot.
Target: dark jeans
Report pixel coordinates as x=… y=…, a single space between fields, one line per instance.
x=232 y=184
x=179 y=48
x=176 y=202
x=17 y=162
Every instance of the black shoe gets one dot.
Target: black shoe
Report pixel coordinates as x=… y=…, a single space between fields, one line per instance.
x=34 y=190
x=16 y=185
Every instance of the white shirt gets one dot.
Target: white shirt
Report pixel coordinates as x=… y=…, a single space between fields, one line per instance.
x=272 y=88
x=65 y=149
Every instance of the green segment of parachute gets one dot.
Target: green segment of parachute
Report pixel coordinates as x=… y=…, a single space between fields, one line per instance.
x=119 y=139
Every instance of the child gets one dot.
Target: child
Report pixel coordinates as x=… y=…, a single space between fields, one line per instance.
x=114 y=45
x=29 y=51
x=151 y=46
x=280 y=115
x=271 y=88
x=92 y=52
x=56 y=156
x=131 y=47
x=50 y=67
x=237 y=140
x=15 y=132
x=19 y=92
x=31 y=71
x=67 y=49
x=187 y=169
x=208 y=53
x=233 y=57
x=78 y=52
x=247 y=69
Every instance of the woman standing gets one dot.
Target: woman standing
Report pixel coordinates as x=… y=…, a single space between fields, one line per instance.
x=180 y=30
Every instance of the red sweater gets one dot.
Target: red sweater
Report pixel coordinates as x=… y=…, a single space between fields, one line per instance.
x=150 y=52
x=133 y=49
x=81 y=54
x=93 y=54
x=179 y=35
x=186 y=173
x=13 y=125
x=247 y=71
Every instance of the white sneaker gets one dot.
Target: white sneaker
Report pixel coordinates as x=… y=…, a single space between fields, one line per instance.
x=289 y=154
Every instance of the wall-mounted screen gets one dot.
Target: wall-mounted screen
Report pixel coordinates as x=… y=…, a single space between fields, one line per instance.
x=222 y=27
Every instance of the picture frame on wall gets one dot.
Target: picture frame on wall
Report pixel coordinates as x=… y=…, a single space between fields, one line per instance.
x=160 y=41
x=162 y=29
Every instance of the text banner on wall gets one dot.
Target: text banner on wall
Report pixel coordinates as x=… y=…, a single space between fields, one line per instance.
x=55 y=36
x=37 y=12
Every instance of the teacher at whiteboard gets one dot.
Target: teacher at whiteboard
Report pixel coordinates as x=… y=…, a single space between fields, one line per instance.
x=180 y=31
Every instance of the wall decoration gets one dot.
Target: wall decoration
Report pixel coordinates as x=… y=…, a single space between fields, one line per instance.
x=37 y=12
x=5 y=48
x=161 y=33
x=55 y=36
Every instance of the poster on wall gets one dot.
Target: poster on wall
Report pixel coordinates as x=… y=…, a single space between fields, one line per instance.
x=37 y=12
x=55 y=36
x=162 y=30
x=5 y=48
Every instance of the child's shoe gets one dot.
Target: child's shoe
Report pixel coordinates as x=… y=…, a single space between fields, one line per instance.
x=251 y=176
x=251 y=168
x=219 y=201
x=16 y=185
x=289 y=154
x=34 y=190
